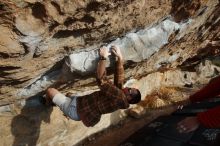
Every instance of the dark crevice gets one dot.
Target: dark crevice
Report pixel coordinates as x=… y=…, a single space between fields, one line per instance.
x=202 y=11
x=26 y=49
x=39 y=11
x=57 y=7
x=4 y=55
x=4 y=70
x=14 y=29
x=185 y=76
x=216 y=16
x=9 y=68
x=1 y=6
x=36 y=55
x=57 y=66
x=87 y=19
x=99 y=7
x=68 y=33
x=70 y=21
x=93 y=6
x=190 y=64
x=3 y=74
x=9 y=55
x=216 y=72
x=182 y=10
x=188 y=85
x=53 y=26
x=11 y=82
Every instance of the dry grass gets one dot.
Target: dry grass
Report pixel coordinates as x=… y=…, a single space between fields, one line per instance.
x=160 y=98
x=163 y=97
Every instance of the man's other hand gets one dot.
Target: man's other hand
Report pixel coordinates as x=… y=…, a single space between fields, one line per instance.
x=103 y=52
x=117 y=52
x=188 y=124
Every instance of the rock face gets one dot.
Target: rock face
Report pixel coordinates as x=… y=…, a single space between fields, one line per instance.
x=164 y=43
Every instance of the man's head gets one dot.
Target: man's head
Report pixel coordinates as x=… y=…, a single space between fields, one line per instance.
x=133 y=95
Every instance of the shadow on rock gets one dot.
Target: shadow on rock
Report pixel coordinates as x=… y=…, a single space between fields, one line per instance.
x=26 y=126
x=182 y=10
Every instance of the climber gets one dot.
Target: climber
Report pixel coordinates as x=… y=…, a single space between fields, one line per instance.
x=110 y=98
x=209 y=118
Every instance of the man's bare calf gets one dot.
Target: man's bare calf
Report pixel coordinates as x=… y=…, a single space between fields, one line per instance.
x=50 y=93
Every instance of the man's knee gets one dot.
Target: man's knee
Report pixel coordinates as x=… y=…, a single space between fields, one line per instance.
x=51 y=92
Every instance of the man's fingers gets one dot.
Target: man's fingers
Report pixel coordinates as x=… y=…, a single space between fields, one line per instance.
x=188 y=129
x=182 y=128
x=114 y=47
x=114 y=51
x=180 y=107
x=180 y=123
x=117 y=52
x=103 y=51
x=179 y=129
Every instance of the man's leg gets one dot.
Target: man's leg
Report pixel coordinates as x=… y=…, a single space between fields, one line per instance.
x=54 y=96
x=66 y=104
x=63 y=102
x=51 y=92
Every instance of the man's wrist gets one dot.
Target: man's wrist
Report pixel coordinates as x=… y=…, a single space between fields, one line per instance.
x=102 y=58
x=120 y=59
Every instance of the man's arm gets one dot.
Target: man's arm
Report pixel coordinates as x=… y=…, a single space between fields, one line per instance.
x=209 y=91
x=210 y=118
x=119 y=69
x=101 y=71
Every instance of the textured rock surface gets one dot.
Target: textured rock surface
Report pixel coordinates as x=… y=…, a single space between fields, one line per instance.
x=165 y=43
